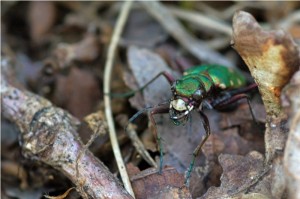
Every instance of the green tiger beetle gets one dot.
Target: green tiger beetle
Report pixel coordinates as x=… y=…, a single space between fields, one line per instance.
x=204 y=86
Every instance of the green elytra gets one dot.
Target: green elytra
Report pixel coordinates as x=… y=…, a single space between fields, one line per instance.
x=210 y=76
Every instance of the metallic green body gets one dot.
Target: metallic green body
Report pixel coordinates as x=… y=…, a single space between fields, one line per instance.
x=210 y=76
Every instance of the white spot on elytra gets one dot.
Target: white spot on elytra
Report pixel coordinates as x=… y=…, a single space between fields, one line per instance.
x=223 y=86
x=239 y=82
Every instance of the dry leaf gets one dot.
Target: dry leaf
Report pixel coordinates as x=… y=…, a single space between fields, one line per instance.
x=78 y=92
x=96 y=122
x=272 y=57
x=148 y=34
x=238 y=174
x=150 y=184
x=145 y=65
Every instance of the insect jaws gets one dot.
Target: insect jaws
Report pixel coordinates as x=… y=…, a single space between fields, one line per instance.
x=181 y=115
x=190 y=108
x=178 y=104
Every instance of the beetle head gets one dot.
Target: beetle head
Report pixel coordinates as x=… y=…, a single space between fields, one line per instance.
x=180 y=109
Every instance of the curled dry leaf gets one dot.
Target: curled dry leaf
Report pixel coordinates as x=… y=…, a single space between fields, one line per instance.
x=292 y=150
x=271 y=56
x=238 y=174
x=247 y=176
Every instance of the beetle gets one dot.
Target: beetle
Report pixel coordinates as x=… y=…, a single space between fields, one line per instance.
x=204 y=86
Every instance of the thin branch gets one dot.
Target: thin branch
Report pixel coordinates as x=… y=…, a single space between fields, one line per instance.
x=291 y=19
x=202 y=20
x=195 y=46
x=49 y=136
x=137 y=143
x=107 y=101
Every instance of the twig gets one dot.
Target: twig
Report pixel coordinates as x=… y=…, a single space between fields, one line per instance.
x=97 y=124
x=218 y=43
x=137 y=143
x=64 y=195
x=196 y=47
x=49 y=136
x=107 y=101
x=201 y=20
x=290 y=20
x=228 y=12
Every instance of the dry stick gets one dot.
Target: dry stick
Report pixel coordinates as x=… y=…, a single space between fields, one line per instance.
x=107 y=102
x=49 y=136
x=202 y=20
x=100 y=129
x=227 y=12
x=137 y=143
x=292 y=18
x=196 y=47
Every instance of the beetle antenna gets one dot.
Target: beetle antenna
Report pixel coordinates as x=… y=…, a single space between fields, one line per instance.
x=136 y=115
x=190 y=124
x=168 y=76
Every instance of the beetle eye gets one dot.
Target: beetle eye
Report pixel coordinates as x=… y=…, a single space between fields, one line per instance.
x=198 y=95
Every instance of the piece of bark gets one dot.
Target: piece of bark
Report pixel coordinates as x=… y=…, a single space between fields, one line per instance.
x=292 y=151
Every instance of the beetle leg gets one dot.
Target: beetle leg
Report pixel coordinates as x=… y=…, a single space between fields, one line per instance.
x=206 y=126
x=158 y=110
x=167 y=75
x=243 y=89
x=236 y=98
x=225 y=95
x=207 y=105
